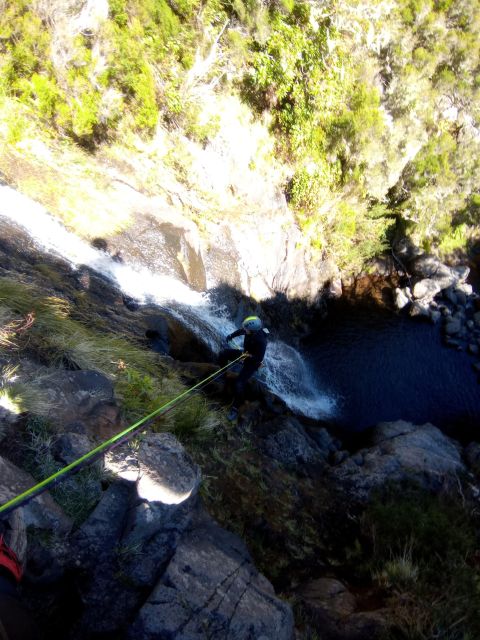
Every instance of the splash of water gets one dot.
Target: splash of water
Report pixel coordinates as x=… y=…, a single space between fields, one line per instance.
x=285 y=372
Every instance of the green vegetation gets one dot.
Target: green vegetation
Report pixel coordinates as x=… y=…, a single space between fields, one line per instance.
x=141 y=394
x=76 y=495
x=42 y=327
x=423 y=556
x=347 y=99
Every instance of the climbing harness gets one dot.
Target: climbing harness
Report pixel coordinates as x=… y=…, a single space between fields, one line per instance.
x=116 y=440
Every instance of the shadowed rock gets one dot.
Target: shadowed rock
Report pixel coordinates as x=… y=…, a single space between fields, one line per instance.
x=41 y=512
x=212 y=589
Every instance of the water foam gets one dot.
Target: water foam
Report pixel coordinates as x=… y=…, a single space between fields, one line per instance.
x=285 y=372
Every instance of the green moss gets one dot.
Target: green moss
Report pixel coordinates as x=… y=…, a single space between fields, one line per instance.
x=453 y=239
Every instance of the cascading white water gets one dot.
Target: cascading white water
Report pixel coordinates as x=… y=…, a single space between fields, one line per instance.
x=285 y=372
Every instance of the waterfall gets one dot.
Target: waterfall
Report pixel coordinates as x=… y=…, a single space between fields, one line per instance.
x=285 y=372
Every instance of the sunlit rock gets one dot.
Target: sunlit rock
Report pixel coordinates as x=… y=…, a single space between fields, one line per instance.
x=161 y=468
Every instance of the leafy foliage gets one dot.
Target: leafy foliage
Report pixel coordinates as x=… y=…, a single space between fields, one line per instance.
x=356 y=97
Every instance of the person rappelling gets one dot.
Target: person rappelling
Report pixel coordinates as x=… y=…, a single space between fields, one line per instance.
x=254 y=347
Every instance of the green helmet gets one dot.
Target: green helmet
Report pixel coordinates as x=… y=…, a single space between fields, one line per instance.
x=252 y=323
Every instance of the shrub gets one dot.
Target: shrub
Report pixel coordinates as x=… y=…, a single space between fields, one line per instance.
x=309 y=186
x=357 y=235
x=424 y=545
x=453 y=239
x=118 y=12
x=142 y=394
x=414 y=8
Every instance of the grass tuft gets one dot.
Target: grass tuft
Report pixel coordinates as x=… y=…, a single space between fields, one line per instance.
x=78 y=494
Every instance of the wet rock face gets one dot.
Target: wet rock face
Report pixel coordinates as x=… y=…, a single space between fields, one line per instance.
x=164 y=242
x=262 y=256
x=291 y=446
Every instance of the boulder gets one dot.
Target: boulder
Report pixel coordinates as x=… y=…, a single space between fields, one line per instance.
x=134 y=530
x=426 y=289
x=327 y=599
x=401 y=451
x=76 y=395
x=453 y=326
x=461 y=297
x=430 y=267
x=290 y=445
x=96 y=540
x=212 y=589
x=464 y=288
x=68 y=447
x=95 y=552
x=402 y=299
x=450 y=295
x=420 y=309
x=461 y=272
x=41 y=512
x=163 y=471
x=332 y=608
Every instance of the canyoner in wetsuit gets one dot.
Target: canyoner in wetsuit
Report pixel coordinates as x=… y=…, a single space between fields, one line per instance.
x=254 y=346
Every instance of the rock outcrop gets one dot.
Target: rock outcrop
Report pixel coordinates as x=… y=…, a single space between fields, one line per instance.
x=401 y=451
x=335 y=611
x=152 y=563
x=42 y=512
x=211 y=588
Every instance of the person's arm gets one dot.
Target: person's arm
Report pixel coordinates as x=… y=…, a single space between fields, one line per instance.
x=236 y=334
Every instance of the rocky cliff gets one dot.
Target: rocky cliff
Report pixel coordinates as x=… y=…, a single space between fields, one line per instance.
x=140 y=555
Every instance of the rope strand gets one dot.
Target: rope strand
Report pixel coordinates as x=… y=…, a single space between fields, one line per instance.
x=116 y=440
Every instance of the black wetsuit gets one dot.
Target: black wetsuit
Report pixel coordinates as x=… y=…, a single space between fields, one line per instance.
x=255 y=344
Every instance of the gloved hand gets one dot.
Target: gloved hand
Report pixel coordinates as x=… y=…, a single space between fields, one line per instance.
x=229 y=337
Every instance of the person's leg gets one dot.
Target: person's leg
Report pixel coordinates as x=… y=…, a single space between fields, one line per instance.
x=245 y=374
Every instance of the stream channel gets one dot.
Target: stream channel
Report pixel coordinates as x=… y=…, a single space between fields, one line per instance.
x=362 y=365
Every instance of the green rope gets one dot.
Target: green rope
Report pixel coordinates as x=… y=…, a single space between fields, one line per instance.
x=23 y=497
